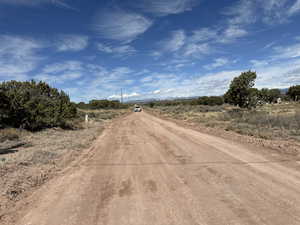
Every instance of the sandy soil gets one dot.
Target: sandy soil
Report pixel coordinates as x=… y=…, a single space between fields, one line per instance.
x=147 y=171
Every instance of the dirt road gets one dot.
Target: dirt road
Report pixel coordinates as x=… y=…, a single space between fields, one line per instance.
x=147 y=171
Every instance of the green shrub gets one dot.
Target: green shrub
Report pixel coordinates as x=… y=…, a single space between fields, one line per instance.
x=294 y=92
x=269 y=95
x=212 y=100
x=102 y=104
x=34 y=105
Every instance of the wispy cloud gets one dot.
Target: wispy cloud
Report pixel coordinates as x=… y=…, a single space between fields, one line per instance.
x=219 y=62
x=197 y=50
x=199 y=42
x=295 y=8
x=31 y=3
x=269 y=45
x=67 y=66
x=287 y=52
x=259 y=63
x=175 y=42
x=18 y=56
x=58 y=73
x=231 y=34
x=246 y=12
x=279 y=75
x=120 y=25
x=125 y=95
x=165 y=7
x=274 y=11
x=71 y=42
x=58 y=79
x=123 y=50
x=180 y=44
x=204 y=34
x=241 y=12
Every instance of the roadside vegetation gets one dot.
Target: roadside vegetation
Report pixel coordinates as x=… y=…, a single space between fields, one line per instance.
x=102 y=104
x=281 y=121
x=41 y=132
x=264 y=113
x=34 y=106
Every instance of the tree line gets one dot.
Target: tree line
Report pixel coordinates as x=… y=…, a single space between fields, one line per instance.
x=102 y=104
x=35 y=105
x=241 y=93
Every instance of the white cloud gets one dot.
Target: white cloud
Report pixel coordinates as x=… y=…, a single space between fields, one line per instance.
x=60 y=78
x=269 y=45
x=259 y=63
x=291 y=51
x=232 y=33
x=156 y=54
x=197 y=50
x=214 y=83
x=109 y=80
x=72 y=43
x=204 y=34
x=268 y=12
x=125 y=95
x=279 y=75
x=199 y=43
x=295 y=8
x=219 y=62
x=275 y=11
x=146 y=79
x=59 y=3
x=175 y=42
x=18 y=56
x=118 y=50
x=165 y=7
x=63 y=67
x=241 y=12
x=61 y=72
x=165 y=85
x=142 y=72
x=120 y=25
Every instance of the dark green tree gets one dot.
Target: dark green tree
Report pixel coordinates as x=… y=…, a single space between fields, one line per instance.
x=4 y=107
x=151 y=104
x=294 y=92
x=240 y=92
x=269 y=95
x=35 y=105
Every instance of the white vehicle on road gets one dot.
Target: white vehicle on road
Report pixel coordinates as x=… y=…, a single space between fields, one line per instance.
x=137 y=109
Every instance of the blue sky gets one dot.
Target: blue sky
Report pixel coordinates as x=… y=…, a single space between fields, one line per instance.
x=150 y=49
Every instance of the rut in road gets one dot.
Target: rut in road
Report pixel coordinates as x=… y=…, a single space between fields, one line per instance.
x=147 y=171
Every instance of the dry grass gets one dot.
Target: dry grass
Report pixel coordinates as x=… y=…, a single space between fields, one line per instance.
x=9 y=134
x=268 y=122
x=102 y=115
x=42 y=154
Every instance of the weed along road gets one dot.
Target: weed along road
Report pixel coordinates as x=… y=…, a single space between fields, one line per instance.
x=144 y=170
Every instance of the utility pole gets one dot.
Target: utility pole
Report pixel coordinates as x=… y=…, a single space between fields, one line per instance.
x=121 y=95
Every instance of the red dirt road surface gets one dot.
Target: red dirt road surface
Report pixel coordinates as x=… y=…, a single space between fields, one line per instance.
x=148 y=171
